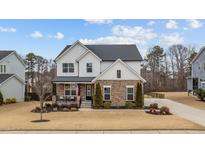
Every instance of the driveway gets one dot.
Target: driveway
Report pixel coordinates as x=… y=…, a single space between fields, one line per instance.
x=184 y=111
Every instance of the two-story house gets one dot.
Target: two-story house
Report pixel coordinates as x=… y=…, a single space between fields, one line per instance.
x=115 y=67
x=12 y=75
x=197 y=78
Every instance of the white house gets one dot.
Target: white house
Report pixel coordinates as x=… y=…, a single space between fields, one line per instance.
x=197 y=78
x=12 y=75
x=115 y=67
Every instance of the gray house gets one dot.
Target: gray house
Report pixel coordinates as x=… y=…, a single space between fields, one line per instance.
x=12 y=75
x=197 y=78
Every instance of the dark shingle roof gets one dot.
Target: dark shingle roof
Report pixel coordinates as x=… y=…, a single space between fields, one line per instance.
x=4 y=53
x=111 y=52
x=4 y=77
x=72 y=79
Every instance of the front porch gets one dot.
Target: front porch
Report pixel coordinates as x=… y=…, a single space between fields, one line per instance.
x=67 y=91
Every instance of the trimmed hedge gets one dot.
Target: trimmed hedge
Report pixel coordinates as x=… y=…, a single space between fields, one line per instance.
x=98 y=98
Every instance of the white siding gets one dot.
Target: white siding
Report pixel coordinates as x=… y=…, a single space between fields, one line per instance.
x=136 y=65
x=89 y=58
x=105 y=64
x=70 y=57
x=13 y=88
x=126 y=74
x=14 y=66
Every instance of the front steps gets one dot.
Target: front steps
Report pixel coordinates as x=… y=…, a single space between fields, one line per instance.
x=86 y=104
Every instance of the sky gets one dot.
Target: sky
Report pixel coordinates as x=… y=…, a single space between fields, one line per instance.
x=47 y=38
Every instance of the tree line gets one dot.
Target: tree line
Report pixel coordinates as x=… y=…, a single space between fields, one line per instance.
x=167 y=69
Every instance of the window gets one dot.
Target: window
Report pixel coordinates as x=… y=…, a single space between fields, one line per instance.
x=130 y=93
x=3 y=69
x=107 y=93
x=68 y=67
x=70 y=89
x=204 y=66
x=89 y=67
x=118 y=74
x=71 y=67
x=203 y=85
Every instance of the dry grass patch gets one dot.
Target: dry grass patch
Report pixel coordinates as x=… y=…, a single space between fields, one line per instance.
x=182 y=97
x=18 y=117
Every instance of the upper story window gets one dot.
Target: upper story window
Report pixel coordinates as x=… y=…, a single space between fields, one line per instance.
x=89 y=67
x=2 y=68
x=118 y=74
x=68 y=67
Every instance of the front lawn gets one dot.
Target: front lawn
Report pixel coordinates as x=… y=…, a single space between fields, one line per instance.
x=182 y=97
x=18 y=117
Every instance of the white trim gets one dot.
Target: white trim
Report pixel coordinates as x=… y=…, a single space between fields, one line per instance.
x=85 y=53
x=12 y=77
x=67 y=50
x=133 y=87
x=202 y=82
x=18 y=57
x=126 y=65
x=107 y=86
x=198 y=54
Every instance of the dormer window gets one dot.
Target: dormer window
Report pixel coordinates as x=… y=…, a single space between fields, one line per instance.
x=118 y=74
x=2 y=68
x=89 y=68
x=68 y=67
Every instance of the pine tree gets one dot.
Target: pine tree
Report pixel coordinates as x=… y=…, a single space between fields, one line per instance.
x=98 y=100
x=1 y=98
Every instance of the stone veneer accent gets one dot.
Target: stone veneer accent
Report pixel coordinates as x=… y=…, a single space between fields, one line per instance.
x=59 y=89
x=118 y=89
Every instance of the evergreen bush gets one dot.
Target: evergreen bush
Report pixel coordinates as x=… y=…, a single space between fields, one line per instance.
x=98 y=98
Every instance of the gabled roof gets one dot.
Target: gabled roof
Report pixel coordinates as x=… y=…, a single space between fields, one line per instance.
x=72 y=79
x=4 y=77
x=111 y=52
x=5 y=53
x=127 y=66
x=200 y=52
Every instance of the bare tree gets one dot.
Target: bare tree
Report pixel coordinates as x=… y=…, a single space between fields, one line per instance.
x=42 y=83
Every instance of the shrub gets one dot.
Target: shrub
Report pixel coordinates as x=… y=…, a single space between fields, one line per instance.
x=107 y=105
x=48 y=107
x=139 y=99
x=8 y=100
x=13 y=100
x=153 y=106
x=200 y=93
x=164 y=110
x=130 y=105
x=98 y=98
x=1 y=98
x=27 y=98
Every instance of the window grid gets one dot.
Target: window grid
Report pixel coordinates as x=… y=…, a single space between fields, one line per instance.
x=107 y=93
x=130 y=93
x=89 y=67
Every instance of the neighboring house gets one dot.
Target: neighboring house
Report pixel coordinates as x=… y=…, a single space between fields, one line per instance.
x=12 y=75
x=115 y=67
x=197 y=78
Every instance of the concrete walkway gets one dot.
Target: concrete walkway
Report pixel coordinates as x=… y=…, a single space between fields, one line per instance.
x=184 y=111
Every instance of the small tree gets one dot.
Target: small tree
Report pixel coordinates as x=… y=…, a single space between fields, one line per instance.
x=139 y=99
x=98 y=100
x=42 y=83
x=200 y=93
x=1 y=98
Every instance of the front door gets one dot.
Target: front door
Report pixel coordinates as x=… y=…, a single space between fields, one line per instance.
x=88 y=92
